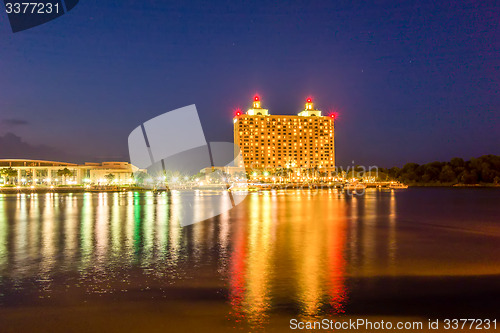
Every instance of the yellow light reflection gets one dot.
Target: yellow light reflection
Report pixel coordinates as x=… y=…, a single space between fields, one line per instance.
x=259 y=258
x=393 y=246
x=101 y=228
x=148 y=223
x=4 y=230
x=116 y=225
x=162 y=224
x=86 y=234
x=369 y=233
x=318 y=243
x=20 y=234
x=70 y=227
x=251 y=266
x=50 y=219
x=129 y=229
x=175 y=230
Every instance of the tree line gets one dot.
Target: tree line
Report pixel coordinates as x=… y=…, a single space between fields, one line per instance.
x=9 y=174
x=481 y=170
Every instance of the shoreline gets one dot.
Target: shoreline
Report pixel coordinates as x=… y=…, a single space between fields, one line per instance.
x=456 y=185
x=81 y=189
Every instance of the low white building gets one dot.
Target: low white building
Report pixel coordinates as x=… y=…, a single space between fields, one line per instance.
x=39 y=172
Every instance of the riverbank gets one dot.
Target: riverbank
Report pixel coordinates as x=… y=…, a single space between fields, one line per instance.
x=249 y=187
x=67 y=189
x=454 y=185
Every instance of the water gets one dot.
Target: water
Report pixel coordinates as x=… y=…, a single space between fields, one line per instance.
x=116 y=262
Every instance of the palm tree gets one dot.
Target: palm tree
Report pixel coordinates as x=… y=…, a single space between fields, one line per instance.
x=64 y=173
x=8 y=173
x=110 y=177
x=2 y=173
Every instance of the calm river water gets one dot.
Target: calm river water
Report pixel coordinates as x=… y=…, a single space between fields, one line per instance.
x=115 y=262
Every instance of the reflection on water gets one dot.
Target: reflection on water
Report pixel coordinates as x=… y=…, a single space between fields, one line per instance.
x=299 y=252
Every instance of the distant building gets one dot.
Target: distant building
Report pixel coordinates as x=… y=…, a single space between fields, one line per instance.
x=267 y=142
x=229 y=170
x=38 y=172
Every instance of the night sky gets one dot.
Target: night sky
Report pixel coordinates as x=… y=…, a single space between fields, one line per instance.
x=412 y=82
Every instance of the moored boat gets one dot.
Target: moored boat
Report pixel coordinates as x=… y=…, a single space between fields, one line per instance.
x=397 y=185
x=354 y=187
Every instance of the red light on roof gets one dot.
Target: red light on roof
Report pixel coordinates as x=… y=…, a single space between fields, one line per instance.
x=256 y=98
x=309 y=100
x=238 y=113
x=333 y=115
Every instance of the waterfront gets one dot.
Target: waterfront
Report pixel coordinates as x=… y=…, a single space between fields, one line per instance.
x=114 y=261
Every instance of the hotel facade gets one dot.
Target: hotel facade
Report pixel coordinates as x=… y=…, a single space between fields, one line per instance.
x=299 y=142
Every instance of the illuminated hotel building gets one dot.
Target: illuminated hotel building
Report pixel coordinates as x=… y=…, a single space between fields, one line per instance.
x=304 y=141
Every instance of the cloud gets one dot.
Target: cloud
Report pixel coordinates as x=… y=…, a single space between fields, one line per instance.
x=14 y=122
x=13 y=146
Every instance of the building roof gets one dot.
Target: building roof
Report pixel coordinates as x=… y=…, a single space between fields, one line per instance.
x=27 y=162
